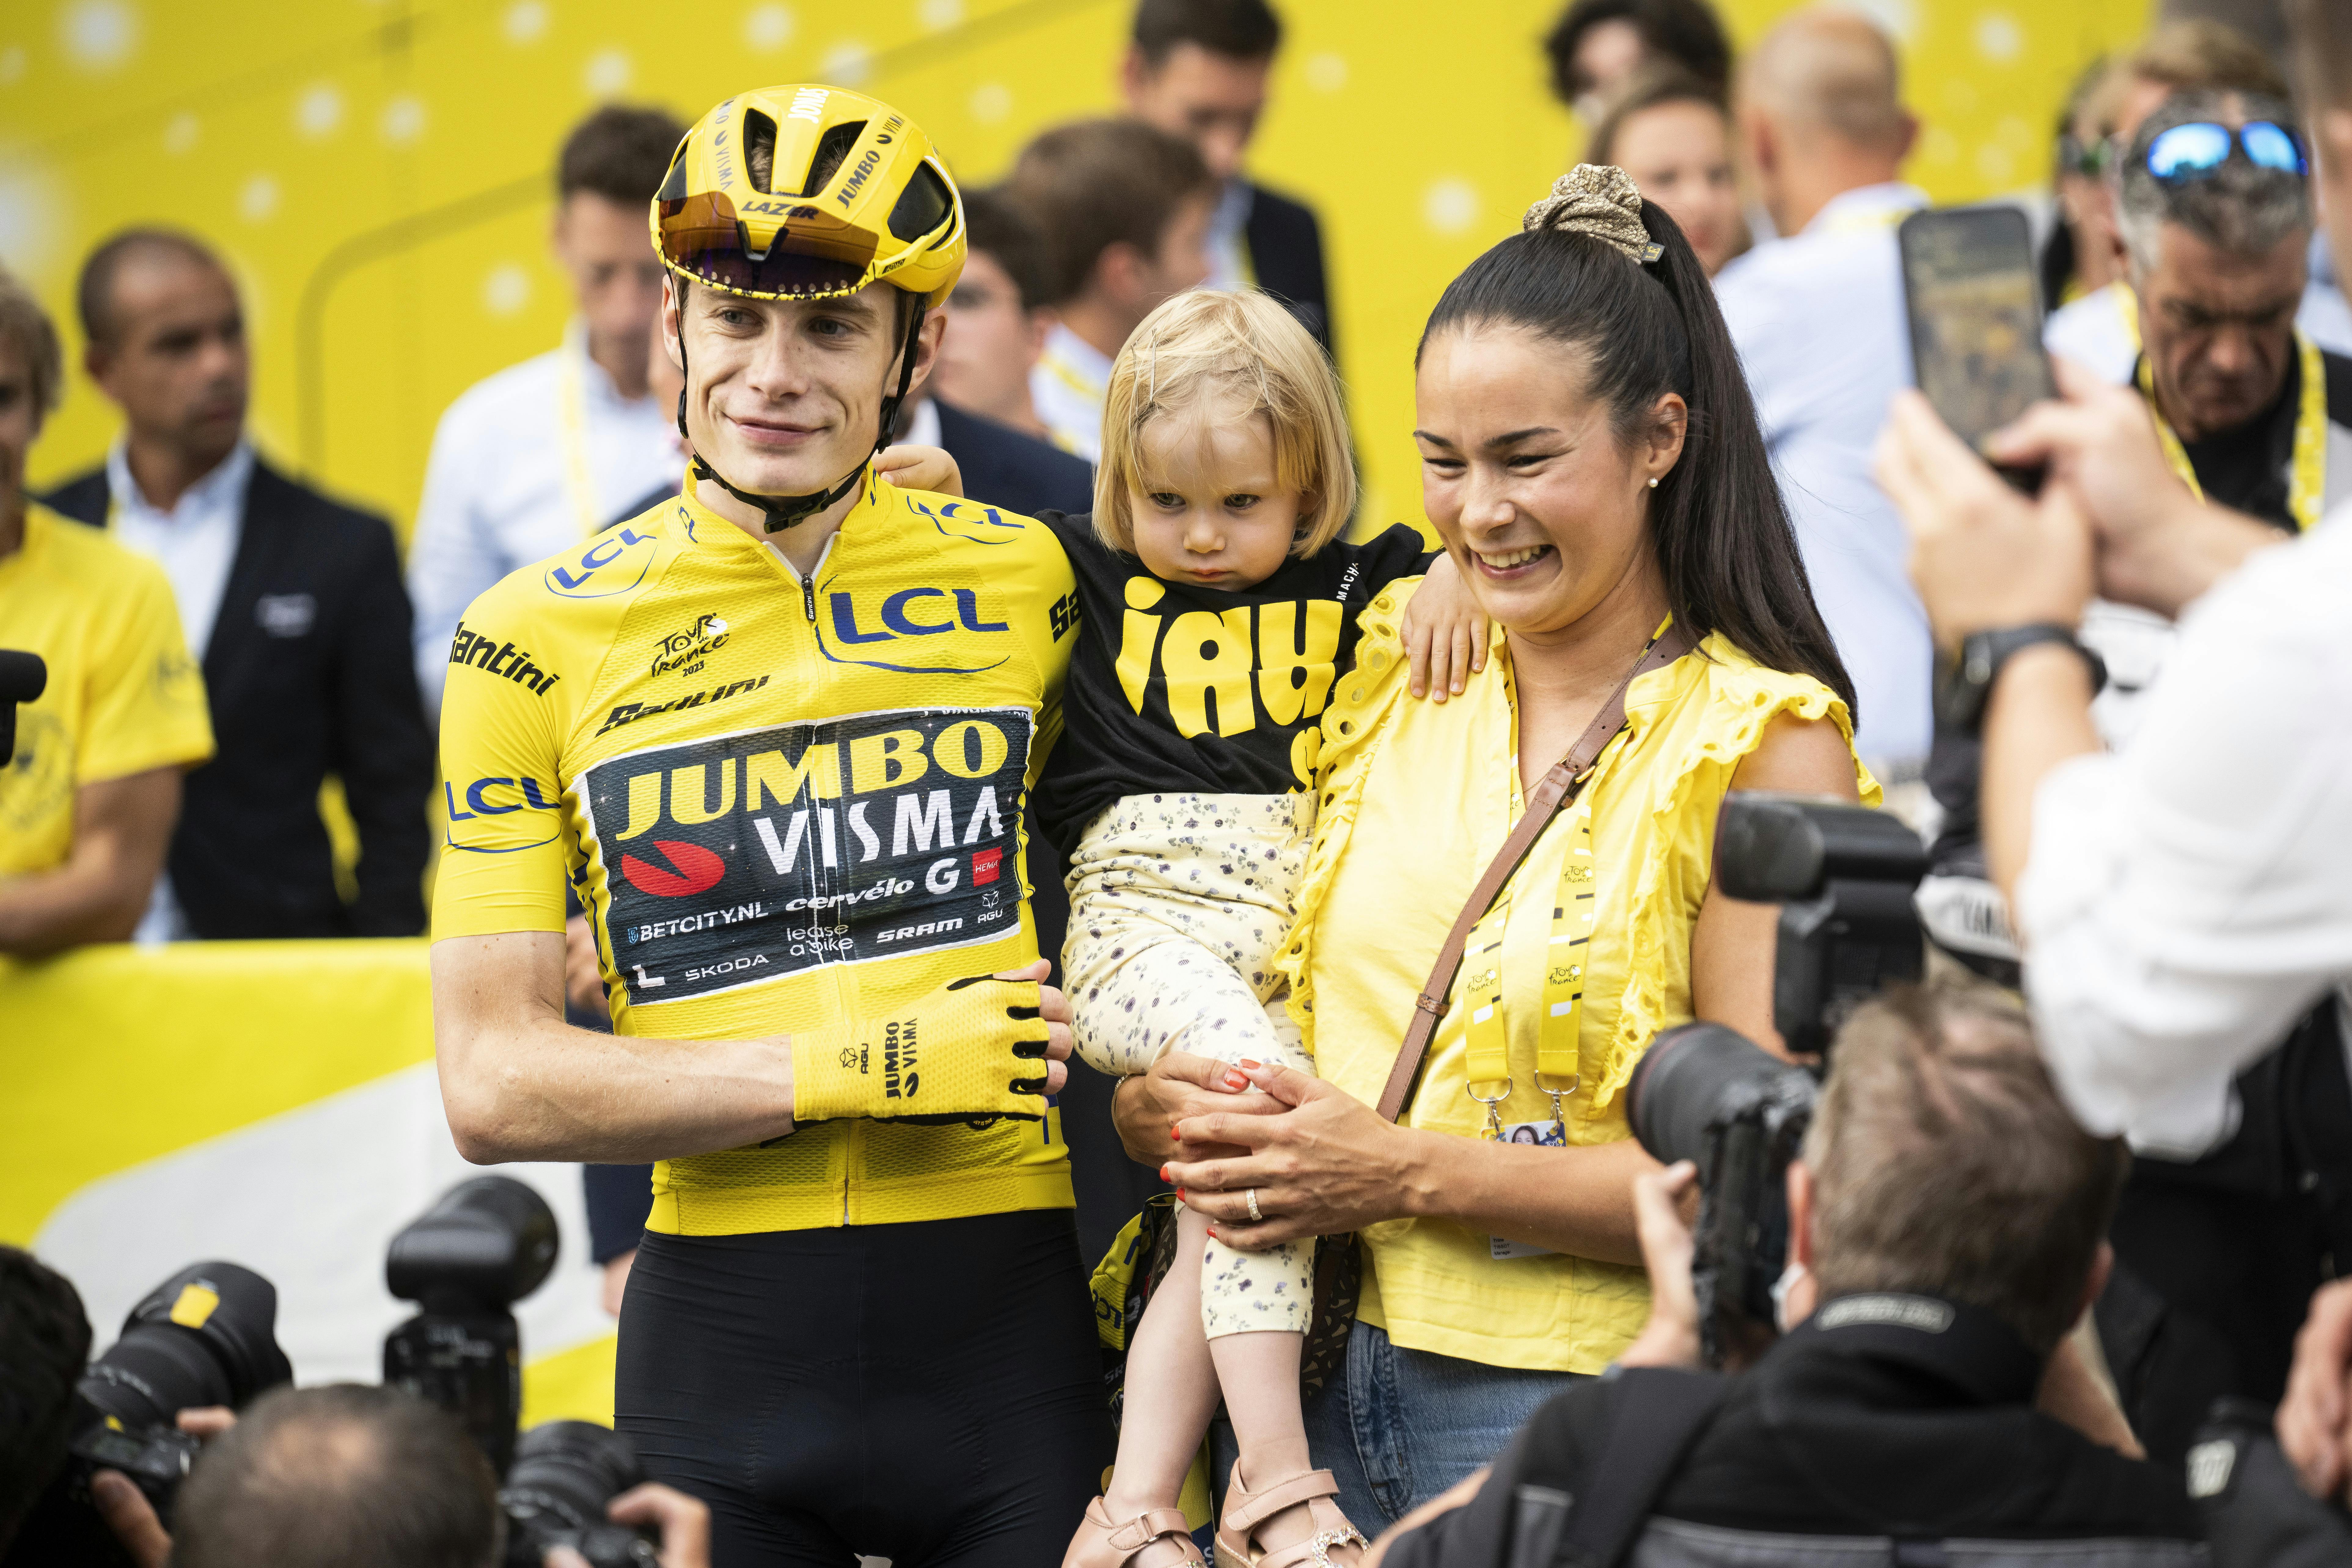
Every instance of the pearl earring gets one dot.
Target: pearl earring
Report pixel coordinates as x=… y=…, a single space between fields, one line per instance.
x=1654 y=484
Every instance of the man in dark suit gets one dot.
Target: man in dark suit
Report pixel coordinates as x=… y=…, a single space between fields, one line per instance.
x=292 y=603
x=1198 y=68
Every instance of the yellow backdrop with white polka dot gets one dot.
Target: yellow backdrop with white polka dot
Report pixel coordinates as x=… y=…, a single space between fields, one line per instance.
x=376 y=171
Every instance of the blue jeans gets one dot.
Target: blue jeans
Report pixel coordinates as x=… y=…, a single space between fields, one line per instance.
x=1404 y=1425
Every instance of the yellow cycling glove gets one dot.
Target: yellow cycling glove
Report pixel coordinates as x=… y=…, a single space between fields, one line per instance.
x=974 y=1047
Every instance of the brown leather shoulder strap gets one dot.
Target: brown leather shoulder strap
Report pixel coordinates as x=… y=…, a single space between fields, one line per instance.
x=1557 y=789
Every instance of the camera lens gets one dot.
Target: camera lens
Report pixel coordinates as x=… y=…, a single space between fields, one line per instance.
x=564 y=1473
x=205 y=1336
x=1686 y=1078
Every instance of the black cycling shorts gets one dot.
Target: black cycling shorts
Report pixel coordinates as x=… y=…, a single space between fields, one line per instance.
x=930 y=1393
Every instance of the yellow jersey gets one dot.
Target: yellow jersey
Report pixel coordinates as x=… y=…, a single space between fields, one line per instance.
x=784 y=800
x=123 y=696
x=1416 y=799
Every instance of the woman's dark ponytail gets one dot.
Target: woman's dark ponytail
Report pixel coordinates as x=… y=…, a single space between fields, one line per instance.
x=1726 y=549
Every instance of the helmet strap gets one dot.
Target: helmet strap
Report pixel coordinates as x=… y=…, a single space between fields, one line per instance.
x=782 y=512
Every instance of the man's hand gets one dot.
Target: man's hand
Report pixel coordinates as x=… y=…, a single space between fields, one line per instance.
x=1147 y=1107
x=682 y=1521
x=1983 y=555
x=2159 y=547
x=2315 y=1419
x=1671 y=1336
x=988 y=1045
x=124 y=1509
x=583 y=986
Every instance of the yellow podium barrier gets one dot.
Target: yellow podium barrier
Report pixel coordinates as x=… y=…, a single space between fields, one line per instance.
x=194 y=1069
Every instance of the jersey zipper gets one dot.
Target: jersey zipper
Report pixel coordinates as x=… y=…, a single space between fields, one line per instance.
x=808 y=597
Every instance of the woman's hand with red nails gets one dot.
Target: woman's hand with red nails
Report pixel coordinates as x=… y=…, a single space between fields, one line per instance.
x=1148 y=1107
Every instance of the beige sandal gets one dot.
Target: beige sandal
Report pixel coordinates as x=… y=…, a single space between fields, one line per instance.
x=1101 y=1543
x=1244 y=1511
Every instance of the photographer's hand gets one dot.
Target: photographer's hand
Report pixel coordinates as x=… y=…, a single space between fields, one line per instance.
x=124 y=1509
x=682 y=1521
x=2315 y=1419
x=1671 y=1336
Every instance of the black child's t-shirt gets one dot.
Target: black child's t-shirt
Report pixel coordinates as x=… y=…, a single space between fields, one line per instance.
x=1174 y=687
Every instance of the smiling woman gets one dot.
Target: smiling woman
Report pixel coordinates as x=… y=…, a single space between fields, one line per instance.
x=1592 y=459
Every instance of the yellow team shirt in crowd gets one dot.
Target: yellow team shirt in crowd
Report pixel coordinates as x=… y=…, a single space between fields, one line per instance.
x=1416 y=800
x=123 y=696
x=782 y=802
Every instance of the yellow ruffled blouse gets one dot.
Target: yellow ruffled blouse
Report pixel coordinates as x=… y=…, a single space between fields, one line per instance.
x=1415 y=800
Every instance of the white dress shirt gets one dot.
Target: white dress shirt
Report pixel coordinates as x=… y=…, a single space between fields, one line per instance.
x=2092 y=330
x=194 y=542
x=2189 y=897
x=525 y=465
x=1820 y=324
x=1067 y=388
x=1228 y=252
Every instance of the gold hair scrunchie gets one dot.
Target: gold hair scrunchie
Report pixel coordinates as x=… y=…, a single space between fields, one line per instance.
x=1599 y=200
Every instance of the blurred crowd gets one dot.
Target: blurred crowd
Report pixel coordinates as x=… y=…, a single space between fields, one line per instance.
x=2139 y=824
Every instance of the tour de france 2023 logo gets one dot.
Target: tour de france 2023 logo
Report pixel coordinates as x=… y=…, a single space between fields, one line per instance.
x=736 y=860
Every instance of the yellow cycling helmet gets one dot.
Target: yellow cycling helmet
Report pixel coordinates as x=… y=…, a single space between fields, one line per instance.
x=854 y=193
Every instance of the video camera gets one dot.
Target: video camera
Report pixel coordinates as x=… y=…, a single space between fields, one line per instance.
x=1844 y=876
x=207 y=1337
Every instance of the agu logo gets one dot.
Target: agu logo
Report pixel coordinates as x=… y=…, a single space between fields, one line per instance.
x=614 y=564
x=692 y=868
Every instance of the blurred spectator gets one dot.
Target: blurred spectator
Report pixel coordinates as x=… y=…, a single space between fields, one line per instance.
x=2079 y=257
x=1944 y=1239
x=44 y=1345
x=2101 y=330
x=546 y=453
x=1670 y=131
x=1598 y=45
x=291 y=601
x=1123 y=208
x=1197 y=69
x=997 y=316
x=2184 y=901
x=1819 y=320
x=90 y=792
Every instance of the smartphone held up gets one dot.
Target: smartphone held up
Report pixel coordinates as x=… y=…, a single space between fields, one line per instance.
x=1975 y=307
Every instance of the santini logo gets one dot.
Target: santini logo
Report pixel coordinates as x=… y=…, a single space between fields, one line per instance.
x=629 y=713
x=479 y=651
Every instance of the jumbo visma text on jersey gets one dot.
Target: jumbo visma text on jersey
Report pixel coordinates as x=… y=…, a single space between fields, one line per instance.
x=741 y=858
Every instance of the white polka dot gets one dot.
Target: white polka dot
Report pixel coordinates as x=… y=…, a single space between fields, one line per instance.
x=768 y=27
x=11 y=63
x=1995 y=163
x=1449 y=206
x=506 y=289
x=1326 y=72
x=1999 y=38
x=258 y=200
x=991 y=102
x=526 y=21
x=939 y=14
x=846 y=64
x=32 y=218
x=404 y=120
x=179 y=135
x=319 y=110
x=608 y=72
x=1937 y=145
x=98 y=34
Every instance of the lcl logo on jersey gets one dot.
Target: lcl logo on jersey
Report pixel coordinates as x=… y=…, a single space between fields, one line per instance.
x=615 y=562
x=1228 y=670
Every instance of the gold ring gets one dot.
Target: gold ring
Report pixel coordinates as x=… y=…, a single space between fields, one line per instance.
x=1255 y=1217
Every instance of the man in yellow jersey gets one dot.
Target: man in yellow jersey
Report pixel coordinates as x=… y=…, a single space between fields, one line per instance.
x=777 y=733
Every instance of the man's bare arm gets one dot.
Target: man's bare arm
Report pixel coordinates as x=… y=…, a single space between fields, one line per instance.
x=521 y=1084
x=121 y=828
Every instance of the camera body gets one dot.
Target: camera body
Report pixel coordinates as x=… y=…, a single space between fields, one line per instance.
x=564 y=1473
x=486 y=1244
x=1844 y=876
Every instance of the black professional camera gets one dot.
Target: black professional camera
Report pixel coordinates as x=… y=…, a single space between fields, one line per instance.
x=1844 y=876
x=486 y=1244
x=207 y=1335
x=564 y=1473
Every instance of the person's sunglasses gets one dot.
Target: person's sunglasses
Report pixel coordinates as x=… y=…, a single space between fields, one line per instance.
x=2193 y=150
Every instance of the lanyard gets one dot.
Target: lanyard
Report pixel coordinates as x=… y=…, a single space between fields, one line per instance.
x=572 y=419
x=2307 y=469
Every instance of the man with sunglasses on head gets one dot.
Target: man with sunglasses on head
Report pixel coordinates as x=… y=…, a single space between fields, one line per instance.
x=777 y=733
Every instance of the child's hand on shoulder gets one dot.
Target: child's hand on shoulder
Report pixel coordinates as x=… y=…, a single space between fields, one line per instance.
x=920 y=468
x=1445 y=632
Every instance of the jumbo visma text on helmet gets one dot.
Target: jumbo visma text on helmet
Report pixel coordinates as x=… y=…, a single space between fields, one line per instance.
x=855 y=194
